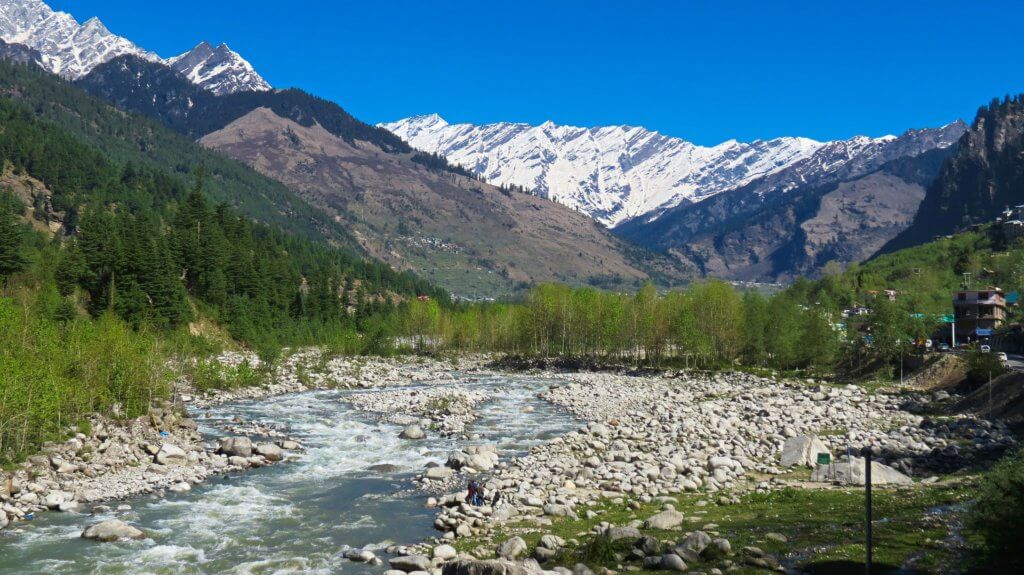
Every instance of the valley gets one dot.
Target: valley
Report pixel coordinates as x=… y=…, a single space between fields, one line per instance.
x=654 y=289
x=583 y=455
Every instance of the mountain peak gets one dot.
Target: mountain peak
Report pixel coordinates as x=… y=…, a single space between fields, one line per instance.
x=96 y=25
x=73 y=50
x=220 y=70
x=70 y=49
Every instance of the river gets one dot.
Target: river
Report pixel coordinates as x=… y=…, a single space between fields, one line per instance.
x=294 y=517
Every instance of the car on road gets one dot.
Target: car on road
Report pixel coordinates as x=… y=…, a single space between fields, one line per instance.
x=1002 y=357
x=985 y=348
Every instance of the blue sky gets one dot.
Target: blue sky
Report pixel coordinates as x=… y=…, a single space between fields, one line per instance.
x=704 y=71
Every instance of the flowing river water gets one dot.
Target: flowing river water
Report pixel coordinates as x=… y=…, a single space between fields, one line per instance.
x=350 y=488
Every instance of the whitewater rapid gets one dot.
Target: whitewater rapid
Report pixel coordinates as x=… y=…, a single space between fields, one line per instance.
x=351 y=488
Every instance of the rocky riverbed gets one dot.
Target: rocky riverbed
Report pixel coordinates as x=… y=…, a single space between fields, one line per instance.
x=350 y=488
x=112 y=460
x=640 y=440
x=648 y=438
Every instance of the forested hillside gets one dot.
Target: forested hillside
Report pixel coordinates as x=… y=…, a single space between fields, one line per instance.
x=112 y=262
x=126 y=138
x=139 y=242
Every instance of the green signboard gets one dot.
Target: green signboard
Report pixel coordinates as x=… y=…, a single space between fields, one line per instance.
x=824 y=458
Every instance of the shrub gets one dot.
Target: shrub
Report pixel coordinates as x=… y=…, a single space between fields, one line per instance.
x=982 y=366
x=998 y=513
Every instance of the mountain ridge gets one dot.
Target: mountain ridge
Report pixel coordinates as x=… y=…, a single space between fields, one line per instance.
x=612 y=173
x=73 y=50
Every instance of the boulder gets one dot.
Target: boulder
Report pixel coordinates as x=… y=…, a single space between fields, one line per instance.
x=668 y=519
x=112 y=530
x=480 y=460
x=616 y=533
x=55 y=499
x=269 y=451
x=512 y=548
x=802 y=450
x=692 y=545
x=180 y=487
x=410 y=563
x=360 y=556
x=672 y=562
x=648 y=546
x=549 y=541
x=852 y=472
x=170 y=454
x=444 y=552
x=412 y=432
x=493 y=567
x=719 y=548
x=236 y=447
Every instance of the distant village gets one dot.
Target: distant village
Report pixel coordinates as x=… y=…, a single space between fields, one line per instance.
x=977 y=314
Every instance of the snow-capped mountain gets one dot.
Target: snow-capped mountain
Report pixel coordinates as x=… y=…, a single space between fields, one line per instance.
x=220 y=70
x=69 y=48
x=72 y=50
x=612 y=173
x=616 y=173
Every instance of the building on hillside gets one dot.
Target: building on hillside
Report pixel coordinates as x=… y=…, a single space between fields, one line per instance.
x=1012 y=230
x=978 y=313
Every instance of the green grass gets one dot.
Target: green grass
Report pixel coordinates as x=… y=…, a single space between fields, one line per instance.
x=820 y=525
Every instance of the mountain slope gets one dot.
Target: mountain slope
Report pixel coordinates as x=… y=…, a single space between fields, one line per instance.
x=458 y=231
x=72 y=50
x=21 y=54
x=612 y=173
x=985 y=176
x=466 y=235
x=219 y=70
x=131 y=138
x=690 y=231
x=808 y=227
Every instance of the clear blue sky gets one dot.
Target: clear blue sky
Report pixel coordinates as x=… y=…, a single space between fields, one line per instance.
x=704 y=71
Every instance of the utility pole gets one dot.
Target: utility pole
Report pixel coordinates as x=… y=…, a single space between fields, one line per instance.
x=866 y=452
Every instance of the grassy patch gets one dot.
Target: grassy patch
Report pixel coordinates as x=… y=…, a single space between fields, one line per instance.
x=819 y=525
x=207 y=375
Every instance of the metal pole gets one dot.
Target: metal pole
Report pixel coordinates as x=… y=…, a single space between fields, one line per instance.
x=867 y=504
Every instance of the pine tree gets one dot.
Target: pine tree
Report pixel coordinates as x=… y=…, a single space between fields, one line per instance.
x=12 y=260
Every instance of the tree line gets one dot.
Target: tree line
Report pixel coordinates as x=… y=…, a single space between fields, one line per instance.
x=710 y=324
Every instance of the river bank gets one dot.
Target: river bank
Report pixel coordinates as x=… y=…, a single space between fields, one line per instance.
x=353 y=487
x=652 y=455
x=650 y=440
x=109 y=460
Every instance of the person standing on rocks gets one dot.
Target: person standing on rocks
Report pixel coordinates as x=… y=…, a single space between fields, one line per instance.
x=471 y=492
